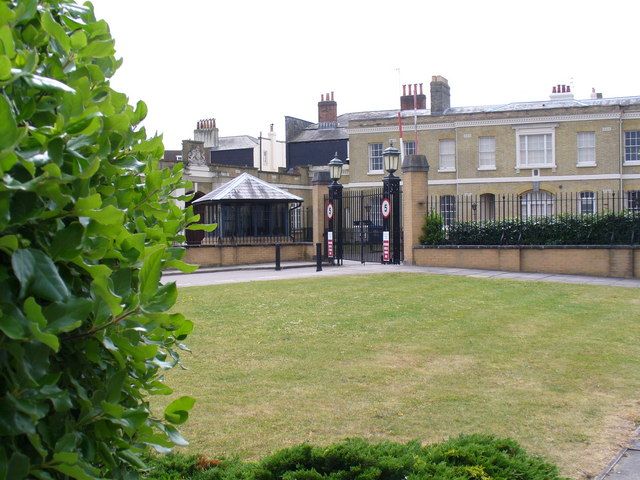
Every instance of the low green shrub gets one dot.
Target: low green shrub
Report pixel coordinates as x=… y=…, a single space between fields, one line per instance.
x=473 y=457
x=432 y=230
x=613 y=229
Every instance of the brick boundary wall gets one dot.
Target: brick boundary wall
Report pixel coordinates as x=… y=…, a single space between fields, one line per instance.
x=229 y=255
x=614 y=261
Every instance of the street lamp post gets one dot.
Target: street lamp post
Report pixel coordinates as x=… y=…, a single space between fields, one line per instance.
x=391 y=191
x=335 y=197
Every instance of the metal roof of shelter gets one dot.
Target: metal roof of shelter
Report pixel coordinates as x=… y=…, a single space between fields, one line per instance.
x=248 y=187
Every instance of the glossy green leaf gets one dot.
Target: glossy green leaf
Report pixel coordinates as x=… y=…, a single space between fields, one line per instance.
x=98 y=49
x=67 y=243
x=37 y=322
x=5 y=68
x=73 y=471
x=8 y=129
x=78 y=40
x=164 y=298
x=55 y=30
x=13 y=323
x=47 y=84
x=7 y=44
x=18 y=467
x=38 y=275
x=150 y=273
x=67 y=316
x=9 y=243
x=177 y=411
x=182 y=266
x=203 y=227
x=175 y=436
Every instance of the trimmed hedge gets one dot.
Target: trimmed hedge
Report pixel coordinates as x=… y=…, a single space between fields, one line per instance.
x=473 y=457
x=611 y=229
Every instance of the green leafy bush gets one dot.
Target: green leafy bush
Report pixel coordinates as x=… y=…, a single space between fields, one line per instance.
x=473 y=457
x=612 y=229
x=432 y=230
x=88 y=222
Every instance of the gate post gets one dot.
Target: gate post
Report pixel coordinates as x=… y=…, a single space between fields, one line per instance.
x=319 y=188
x=415 y=174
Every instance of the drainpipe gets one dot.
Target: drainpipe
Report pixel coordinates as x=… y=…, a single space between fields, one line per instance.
x=260 y=153
x=620 y=153
x=457 y=163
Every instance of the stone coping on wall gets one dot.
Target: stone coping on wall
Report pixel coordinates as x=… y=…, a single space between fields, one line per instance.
x=530 y=247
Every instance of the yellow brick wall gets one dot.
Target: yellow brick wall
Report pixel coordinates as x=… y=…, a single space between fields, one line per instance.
x=602 y=262
x=217 y=256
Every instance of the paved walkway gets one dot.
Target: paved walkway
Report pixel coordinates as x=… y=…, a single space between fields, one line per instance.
x=626 y=465
x=252 y=273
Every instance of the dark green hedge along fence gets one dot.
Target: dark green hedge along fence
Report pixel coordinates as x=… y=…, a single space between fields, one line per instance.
x=613 y=229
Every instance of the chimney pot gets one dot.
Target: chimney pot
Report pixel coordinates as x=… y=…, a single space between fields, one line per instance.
x=421 y=90
x=322 y=97
x=568 y=88
x=404 y=90
x=332 y=96
x=415 y=88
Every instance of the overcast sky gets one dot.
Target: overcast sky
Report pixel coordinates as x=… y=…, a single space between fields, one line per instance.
x=250 y=63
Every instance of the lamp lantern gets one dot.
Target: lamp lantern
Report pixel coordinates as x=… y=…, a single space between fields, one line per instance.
x=391 y=156
x=335 y=168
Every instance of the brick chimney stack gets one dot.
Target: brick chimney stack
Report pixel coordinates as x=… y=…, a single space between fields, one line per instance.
x=407 y=99
x=207 y=132
x=440 y=95
x=327 y=112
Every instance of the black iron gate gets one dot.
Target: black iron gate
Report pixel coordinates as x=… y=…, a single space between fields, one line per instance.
x=362 y=225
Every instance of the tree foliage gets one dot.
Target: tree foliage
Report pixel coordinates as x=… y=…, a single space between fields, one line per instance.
x=87 y=222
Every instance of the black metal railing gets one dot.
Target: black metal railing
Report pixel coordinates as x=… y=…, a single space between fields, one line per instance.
x=537 y=218
x=298 y=228
x=531 y=205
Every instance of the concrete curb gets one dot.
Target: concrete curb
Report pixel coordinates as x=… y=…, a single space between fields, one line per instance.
x=238 y=268
x=609 y=469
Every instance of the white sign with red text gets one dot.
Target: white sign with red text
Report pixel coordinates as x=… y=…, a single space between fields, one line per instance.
x=330 y=244
x=385 y=246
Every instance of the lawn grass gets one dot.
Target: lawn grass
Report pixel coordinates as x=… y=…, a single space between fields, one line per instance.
x=403 y=356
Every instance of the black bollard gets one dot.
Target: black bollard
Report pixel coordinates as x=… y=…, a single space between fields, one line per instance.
x=318 y=257
x=278 y=257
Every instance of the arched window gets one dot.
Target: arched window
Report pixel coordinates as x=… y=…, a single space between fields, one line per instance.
x=487 y=207
x=536 y=205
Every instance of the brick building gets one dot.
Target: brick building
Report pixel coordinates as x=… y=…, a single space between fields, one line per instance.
x=536 y=149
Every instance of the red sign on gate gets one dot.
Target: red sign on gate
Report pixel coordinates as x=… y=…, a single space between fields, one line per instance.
x=330 y=244
x=385 y=246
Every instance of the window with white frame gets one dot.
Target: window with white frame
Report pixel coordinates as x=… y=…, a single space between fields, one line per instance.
x=586 y=148
x=375 y=157
x=409 y=148
x=632 y=146
x=536 y=205
x=587 y=203
x=447 y=155
x=447 y=209
x=633 y=200
x=486 y=153
x=535 y=148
